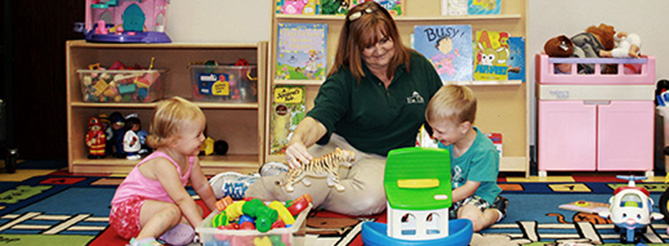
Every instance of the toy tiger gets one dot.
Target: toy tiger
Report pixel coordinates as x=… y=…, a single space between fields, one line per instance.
x=324 y=166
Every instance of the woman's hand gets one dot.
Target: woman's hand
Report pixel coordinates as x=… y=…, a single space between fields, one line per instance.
x=296 y=154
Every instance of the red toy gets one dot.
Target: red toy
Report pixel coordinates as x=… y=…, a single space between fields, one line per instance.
x=95 y=139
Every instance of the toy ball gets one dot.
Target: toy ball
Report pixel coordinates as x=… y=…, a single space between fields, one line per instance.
x=247 y=226
x=246 y=218
x=221 y=147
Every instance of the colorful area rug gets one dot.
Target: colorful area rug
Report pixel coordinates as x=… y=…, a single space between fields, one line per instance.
x=64 y=209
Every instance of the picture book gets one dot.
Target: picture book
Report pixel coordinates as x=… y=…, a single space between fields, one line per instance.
x=334 y=7
x=395 y=7
x=453 y=7
x=586 y=206
x=492 y=54
x=288 y=109
x=301 y=51
x=297 y=7
x=484 y=7
x=496 y=138
x=516 y=61
x=449 y=47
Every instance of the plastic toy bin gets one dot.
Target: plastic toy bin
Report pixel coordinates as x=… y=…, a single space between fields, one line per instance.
x=230 y=84
x=122 y=86
x=210 y=236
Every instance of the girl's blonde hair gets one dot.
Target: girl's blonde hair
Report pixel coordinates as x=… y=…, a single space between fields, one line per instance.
x=170 y=115
x=452 y=102
x=358 y=32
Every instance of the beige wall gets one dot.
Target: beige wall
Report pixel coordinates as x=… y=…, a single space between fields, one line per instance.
x=210 y=21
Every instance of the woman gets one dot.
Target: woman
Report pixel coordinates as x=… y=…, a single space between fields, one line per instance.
x=373 y=101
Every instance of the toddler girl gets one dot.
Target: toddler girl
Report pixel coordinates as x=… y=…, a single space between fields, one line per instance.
x=152 y=201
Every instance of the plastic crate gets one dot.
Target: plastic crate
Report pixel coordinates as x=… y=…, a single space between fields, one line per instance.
x=210 y=236
x=122 y=86
x=229 y=84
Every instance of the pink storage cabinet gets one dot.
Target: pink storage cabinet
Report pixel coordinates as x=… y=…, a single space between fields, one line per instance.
x=595 y=122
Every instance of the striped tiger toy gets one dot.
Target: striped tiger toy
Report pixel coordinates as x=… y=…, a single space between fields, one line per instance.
x=324 y=166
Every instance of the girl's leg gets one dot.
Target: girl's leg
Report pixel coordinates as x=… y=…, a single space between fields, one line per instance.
x=157 y=217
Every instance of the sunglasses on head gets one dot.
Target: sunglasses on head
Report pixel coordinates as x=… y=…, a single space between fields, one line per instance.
x=360 y=13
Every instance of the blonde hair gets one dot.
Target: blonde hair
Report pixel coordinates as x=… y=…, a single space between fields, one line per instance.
x=452 y=102
x=356 y=34
x=168 y=119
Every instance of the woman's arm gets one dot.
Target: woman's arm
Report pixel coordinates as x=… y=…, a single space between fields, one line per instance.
x=306 y=134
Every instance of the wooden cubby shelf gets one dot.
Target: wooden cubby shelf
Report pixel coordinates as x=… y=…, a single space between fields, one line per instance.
x=239 y=124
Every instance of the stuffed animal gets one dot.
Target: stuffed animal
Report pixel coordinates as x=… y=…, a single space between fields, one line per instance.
x=626 y=45
x=560 y=46
x=591 y=44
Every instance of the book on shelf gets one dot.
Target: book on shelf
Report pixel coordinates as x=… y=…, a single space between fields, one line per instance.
x=496 y=138
x=334 y=7
x=301 y=51
x=516 y=61
x=454 y=7
x=492 y=54
x=484 y=7
x=297 y=7
x=395 y=7
x=448 y=47
x=288 y=109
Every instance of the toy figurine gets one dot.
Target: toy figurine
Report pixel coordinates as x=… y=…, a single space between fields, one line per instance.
x=95 y=139
x=631 y=210
x=131 y=143
x=145 y=149
x=117 y=129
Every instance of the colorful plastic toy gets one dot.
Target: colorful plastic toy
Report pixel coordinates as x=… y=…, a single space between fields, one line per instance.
x=96 y=139
x=126 y=21
x=223 y=203
x=300 y=203
x=631 y=210
x=418 y=201
x=264 y=216
x=283 y=212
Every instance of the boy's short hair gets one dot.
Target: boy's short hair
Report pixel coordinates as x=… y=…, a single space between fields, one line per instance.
x=452 y=102
x=168 y=119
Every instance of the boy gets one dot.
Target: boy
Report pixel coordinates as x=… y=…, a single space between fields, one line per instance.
x=474 y=159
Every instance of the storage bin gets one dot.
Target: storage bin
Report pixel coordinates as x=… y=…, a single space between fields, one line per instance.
x=122 y=86
x=210 y=236
x=230 y=84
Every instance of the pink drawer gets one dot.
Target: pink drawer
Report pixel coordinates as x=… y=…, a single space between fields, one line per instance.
x=625 y=138
x=566 y=136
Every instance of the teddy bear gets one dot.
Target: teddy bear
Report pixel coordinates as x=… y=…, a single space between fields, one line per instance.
x=560 y=46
